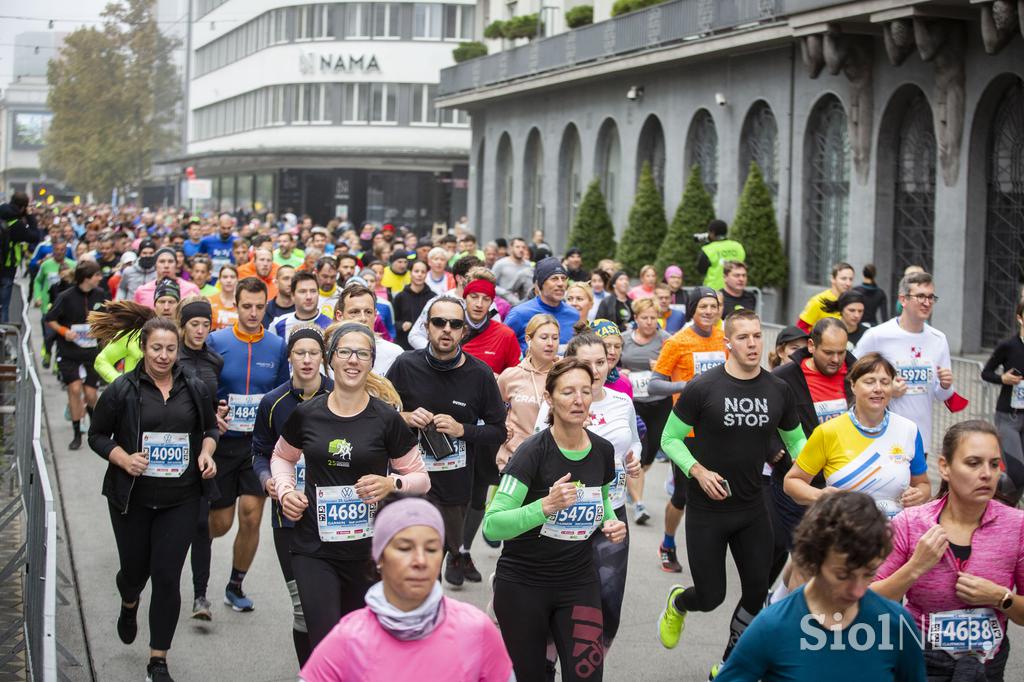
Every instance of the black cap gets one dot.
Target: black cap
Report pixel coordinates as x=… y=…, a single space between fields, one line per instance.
x=790 y=334
x=573 y=252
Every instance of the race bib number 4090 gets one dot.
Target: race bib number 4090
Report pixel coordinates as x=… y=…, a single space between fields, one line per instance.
x=168 y=454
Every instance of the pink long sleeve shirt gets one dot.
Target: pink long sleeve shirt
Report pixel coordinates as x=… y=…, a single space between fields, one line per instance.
x=997 y=554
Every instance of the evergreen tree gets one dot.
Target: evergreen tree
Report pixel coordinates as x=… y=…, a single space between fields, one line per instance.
x=116 y=101
x=755 y=227
x=695 y=211
x=647 y=225
x=593 y=233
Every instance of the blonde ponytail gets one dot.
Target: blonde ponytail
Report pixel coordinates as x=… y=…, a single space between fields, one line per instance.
x=381 y=388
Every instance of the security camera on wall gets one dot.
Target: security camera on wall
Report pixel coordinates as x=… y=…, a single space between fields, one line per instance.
x=720 y=99
x=635 y=93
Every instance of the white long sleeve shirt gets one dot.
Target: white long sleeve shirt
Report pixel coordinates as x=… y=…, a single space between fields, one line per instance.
x=916 y=358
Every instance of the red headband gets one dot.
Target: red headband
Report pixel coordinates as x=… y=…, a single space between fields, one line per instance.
x=479 y=286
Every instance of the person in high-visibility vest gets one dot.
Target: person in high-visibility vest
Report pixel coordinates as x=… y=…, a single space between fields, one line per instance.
x=18 y=235
x=714 y=254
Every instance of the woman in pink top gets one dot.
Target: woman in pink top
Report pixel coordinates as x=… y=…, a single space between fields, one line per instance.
x=612 y=339
x=959 y=561
x=648 y=278
x=408 y=628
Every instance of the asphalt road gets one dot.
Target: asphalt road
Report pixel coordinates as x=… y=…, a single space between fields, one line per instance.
x=257 y=646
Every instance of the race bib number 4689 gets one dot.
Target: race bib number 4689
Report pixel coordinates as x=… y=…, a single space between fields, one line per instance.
x=341 y=516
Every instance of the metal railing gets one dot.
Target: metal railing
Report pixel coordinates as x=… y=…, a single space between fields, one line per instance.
x=668 y=23
x=39 y=550
x=967 y=382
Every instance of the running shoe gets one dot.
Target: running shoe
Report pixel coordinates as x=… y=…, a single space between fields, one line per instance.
x=76 y=443
x=669 y=562
x=671 y=620
x=640 y=515
x=201 y=609
x=127 y=625
x=236 y=599
x=715 y=669
x=454 y=574
x=157 y=671
x=469 y=568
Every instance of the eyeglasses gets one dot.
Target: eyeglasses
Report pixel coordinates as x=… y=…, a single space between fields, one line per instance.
x=440 y=322
x=306 y=353
x=346 y=353
x=924 y=298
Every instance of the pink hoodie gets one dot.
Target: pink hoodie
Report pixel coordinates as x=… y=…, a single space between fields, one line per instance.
x=522 y=389
x=997 y=554
x=465 y=647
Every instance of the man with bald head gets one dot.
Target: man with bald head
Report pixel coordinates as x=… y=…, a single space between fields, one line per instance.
x=218 y=246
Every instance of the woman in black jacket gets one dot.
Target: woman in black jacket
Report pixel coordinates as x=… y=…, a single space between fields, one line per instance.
x=409 y=302
x=195 y=321
x=156 y=428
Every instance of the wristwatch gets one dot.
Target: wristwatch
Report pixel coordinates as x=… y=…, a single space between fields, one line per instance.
x=398 y=486
x=1006 y=602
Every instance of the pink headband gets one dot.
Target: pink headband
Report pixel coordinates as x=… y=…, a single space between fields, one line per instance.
x=397 y=516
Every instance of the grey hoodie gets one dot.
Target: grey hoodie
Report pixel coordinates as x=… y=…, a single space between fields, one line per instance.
x=132 y=278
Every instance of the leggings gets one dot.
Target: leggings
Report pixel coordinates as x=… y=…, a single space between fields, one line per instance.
x=151 y=546
x=328 y=590
x=654 y=414
x=201 y=550
x=941 y=667
x=747 y=533
x=485 y=474
x=611 y=560
x=454 y=516
x=571 y=615
x=1011 y=437
x=283 y=547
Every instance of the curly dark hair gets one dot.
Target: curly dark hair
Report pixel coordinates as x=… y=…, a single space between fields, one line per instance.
x=846 y=522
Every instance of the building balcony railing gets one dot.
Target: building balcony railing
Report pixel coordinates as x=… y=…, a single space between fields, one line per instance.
x=671 y=22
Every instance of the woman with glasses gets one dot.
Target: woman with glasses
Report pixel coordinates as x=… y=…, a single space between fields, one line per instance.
x=357 y=451
x=306 y=356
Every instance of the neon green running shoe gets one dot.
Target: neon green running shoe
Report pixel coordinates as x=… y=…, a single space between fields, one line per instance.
x=715 y=669
x=671 y=620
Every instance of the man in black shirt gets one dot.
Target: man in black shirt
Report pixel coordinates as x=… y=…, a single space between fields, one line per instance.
x=75 y=348
x=732 y=410
x=453 y=402
x=573 y=263
x=734 y=293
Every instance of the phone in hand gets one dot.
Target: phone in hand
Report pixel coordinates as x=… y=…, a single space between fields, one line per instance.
x=725 y=486
x=1015 y=372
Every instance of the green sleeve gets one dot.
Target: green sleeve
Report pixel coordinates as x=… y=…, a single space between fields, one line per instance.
x=674 y=446
x=37 y=288
x=506 y=517
x=794 y=440
x=609 y=511
x=109 y=356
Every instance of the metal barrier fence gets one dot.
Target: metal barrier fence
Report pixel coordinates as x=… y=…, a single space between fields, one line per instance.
x=967 y=382
x=40 y=518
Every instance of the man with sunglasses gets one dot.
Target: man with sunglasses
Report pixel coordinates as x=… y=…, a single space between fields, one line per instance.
x=358 y=303
x=918 y=351
x=452 y=400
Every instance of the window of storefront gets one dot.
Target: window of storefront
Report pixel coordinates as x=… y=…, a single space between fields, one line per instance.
x=382 y=103
x=427 y=21
x=357 y=103
x=227 y=193
x=264 y=192
x=385 y=20
x=244 y=190
x=358 y=17
x=423 y=110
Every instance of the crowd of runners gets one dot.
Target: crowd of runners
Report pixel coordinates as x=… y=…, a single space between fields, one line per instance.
x=397 y=395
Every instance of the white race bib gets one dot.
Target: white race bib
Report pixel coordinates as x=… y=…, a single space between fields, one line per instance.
x=966 y=632
x=918 y=374
x=702 y=362
x=218 y=262
x=456 y=460
x=829 y=409
x=640 y=381
x=82 y=338
x=242 y=409
x=579 y=521
x=341 y=516
x=617 y=490
x=1017 y=397
x=300 y=474
x=168 y=454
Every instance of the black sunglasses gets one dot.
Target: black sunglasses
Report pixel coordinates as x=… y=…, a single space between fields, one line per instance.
x=440 y=322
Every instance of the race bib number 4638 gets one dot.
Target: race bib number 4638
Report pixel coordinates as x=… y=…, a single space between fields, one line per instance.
x=964 y=632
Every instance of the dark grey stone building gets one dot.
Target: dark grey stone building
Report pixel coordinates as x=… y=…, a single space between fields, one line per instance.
x=890 y=132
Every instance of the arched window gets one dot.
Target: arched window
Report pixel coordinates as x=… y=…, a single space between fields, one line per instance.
x=651 y=148
x=533 y=182
x=1004 y=230
x=569 y=168
x=702 y=150
x=914 y=199
x=609 y=161
x=759 y=142
x=827 y=169
x=504 y=183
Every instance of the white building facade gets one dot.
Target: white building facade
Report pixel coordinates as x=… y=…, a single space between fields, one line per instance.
x=328 y=108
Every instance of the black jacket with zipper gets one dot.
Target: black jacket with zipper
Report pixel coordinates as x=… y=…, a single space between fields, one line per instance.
x=116 y=422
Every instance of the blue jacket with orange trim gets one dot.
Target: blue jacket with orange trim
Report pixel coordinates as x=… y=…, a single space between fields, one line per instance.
x=273 y=412
x=253 y=365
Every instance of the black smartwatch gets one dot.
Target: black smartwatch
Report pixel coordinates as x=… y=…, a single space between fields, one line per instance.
x=398 y=486
x=1007 y=602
